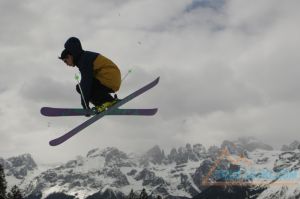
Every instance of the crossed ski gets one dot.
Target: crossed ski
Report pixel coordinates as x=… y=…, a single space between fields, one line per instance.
x=114 y=110
x=59 y=112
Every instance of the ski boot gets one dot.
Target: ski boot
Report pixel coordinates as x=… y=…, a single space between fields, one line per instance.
x=105 y=105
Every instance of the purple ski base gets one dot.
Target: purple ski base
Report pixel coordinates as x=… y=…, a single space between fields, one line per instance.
x=60 y=112
x=90 y=121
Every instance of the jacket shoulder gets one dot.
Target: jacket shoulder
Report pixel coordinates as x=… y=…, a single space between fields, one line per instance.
x=87 y=58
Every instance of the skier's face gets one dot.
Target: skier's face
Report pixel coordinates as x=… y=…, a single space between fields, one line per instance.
x=69 y=61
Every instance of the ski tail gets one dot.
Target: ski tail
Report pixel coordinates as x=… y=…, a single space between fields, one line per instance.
x=54 y=112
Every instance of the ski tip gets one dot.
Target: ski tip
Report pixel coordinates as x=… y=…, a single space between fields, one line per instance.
x=154 y=82
x=51 y=143
x=43 y=110
x=154 y=111
x=157 y=79
x=54 y=142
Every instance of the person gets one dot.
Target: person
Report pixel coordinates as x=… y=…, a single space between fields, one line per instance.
x=99 y=75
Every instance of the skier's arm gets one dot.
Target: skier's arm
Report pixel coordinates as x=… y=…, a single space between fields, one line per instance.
x=86 y=84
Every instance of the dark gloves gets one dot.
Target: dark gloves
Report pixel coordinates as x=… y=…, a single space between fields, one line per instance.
x=77 y=89
x=87 y=108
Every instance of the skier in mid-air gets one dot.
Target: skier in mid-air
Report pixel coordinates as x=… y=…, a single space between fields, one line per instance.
x=99 y=75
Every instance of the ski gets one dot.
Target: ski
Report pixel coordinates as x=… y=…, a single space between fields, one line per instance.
x=58 y=112
x=90 y=121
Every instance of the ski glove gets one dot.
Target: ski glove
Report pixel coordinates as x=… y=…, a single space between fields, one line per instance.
x=77 y=89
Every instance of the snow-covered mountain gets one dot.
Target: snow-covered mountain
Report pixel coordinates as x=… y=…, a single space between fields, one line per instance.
x=245 y=168
x=19 y=170
x=291 y=147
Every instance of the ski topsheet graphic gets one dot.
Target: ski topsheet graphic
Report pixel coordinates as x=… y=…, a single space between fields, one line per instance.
x=113 y=110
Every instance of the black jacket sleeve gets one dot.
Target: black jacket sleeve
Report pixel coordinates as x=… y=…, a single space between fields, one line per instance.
x=85 y=65
x=86 y=84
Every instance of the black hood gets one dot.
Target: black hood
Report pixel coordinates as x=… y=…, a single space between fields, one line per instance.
x=73 y=45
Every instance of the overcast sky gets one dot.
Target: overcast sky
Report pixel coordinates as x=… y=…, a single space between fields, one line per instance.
x=228 y=68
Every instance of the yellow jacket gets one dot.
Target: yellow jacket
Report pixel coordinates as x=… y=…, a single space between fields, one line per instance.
x=107 y=72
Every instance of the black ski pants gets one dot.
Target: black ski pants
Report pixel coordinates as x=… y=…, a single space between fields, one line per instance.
x=100 y=93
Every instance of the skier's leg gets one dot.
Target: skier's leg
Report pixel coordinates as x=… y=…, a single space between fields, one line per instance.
x=100 y=93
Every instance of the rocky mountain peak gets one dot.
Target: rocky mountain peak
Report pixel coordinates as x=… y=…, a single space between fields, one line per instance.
x=19 y=166
x=213 y=151
x=291 y=147
x=111 y=155
x=102 y=152
x=181 y=155
x=232 y=148
x=187 y=153
x=199 y=149
x=93 y=153
x=251 y=144
x=154 y=155
x=115 y=157
x=22 y=160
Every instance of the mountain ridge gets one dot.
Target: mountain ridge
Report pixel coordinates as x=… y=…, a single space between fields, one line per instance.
x=180 y=173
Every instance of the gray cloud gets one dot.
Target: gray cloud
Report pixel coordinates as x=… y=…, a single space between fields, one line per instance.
x=47 y=90
x=2 y=89
x=16 y=22
x=214 y=89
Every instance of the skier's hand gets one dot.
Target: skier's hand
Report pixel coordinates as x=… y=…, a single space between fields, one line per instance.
x=77 y=89
x=88 y=112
